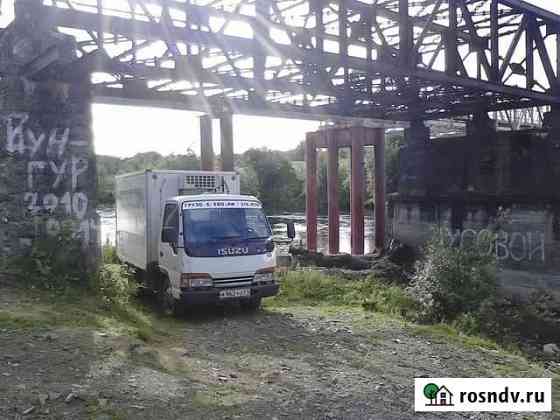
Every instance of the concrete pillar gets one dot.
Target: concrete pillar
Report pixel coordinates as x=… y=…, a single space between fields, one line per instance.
x=206 y=145
x=311 y=205
x=482 y=146
x=380 y=217
x=47 y=165
x=552 y=125
x=332 y=190
x=47 y=160
x=357 y=192
x=414 y=161
x=226 y=130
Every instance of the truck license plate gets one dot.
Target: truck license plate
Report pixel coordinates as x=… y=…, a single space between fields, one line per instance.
x=235 y=293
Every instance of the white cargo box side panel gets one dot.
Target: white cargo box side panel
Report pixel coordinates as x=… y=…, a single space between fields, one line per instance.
x=131 y=236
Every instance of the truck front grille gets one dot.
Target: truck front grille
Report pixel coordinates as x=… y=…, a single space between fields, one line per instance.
x=233 y=281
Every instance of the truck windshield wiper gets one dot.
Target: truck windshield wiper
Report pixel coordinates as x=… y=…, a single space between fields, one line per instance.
x=226 y=237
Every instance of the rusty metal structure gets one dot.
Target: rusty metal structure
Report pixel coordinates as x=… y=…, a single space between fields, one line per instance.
x=388 y=59
x=383 y=60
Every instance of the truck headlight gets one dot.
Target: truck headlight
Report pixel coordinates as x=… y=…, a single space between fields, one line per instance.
x=264 y=276
x=193 y=280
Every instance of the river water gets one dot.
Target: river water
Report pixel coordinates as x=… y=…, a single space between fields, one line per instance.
x=108 y=227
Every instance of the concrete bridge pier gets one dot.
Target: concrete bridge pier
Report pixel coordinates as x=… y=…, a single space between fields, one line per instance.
x=206 y=143
x=414 y=160
x=226 y=133
x=47 y=160
x=47 y=164
x=207 y=157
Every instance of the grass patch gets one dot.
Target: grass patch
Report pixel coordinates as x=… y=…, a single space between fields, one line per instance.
x=20 y=321
x=219 y=396
x=313 y=288
x=447 y=333
x=77 y=308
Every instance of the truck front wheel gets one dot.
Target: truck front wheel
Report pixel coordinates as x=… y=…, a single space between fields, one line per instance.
x=251 y=305
x=167 y=301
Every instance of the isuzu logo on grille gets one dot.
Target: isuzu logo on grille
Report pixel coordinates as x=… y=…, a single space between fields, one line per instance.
x=232 y=251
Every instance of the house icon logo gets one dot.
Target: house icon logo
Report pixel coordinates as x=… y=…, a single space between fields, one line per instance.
x=439 y=396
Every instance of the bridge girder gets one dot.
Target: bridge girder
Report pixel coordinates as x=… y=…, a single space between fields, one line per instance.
x=385 y=59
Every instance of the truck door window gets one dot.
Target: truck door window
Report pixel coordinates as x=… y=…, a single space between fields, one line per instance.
x=171 y=221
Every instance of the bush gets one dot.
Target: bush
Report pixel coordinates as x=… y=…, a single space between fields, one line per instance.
x=53 y=262
x=391 y=300
x=110 y=254
x=512 y=320
x=113 y=285
x=452 y=280
x=58 y=263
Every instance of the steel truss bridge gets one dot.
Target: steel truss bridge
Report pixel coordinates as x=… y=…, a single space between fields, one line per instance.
x=387 y=59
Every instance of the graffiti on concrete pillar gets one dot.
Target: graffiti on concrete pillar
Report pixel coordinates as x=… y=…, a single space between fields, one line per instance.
x=513 y=246
x=57 y=170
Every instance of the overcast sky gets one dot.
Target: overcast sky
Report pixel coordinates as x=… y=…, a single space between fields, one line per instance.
x=124 y=131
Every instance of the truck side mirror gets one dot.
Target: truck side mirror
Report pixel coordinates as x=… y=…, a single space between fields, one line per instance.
x=291 y=230
x=169 y=235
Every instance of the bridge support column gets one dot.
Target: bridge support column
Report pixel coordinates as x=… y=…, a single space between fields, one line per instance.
x=357 y=194
x=206 y=145
x=356 y=138
x=47 y=166
x=226 y=131
x=47 y=160
x=380 y=208
x=332 y=190
x=311 y=197
x=414 y=160
x=481 y=135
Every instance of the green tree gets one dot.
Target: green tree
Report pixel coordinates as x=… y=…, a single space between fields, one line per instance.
x=108 y=167
x=278 y=185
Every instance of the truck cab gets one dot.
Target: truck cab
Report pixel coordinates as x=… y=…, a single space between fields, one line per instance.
x=215 y=248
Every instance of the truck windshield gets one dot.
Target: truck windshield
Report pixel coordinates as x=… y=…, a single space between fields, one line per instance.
x=205 y=226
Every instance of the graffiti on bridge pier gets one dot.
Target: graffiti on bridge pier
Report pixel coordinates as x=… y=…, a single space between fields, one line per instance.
x=512 y=246
x=56 y=171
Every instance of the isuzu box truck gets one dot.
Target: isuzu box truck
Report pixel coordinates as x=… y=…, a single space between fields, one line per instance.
x=193 y=239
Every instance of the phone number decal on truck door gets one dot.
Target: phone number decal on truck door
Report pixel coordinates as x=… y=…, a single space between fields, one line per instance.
x=189 y=205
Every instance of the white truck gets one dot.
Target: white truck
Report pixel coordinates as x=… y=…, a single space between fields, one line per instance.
x=194 y=239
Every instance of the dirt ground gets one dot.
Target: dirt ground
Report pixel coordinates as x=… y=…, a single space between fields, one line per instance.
x=279 y=363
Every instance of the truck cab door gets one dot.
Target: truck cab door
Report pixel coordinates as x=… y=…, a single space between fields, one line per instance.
x=169 y=257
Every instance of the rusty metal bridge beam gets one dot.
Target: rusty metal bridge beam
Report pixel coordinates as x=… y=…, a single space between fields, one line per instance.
x=350 y=84
x=77 y=20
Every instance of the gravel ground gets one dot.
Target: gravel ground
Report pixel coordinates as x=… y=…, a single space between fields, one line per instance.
x=279 y=363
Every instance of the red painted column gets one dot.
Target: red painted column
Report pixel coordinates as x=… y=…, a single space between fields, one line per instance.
x=379 y=139
x=332 y=189
x=311 y=198
x=357 y=192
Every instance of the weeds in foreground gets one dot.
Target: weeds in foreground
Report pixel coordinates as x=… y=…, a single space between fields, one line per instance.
x=309 y=287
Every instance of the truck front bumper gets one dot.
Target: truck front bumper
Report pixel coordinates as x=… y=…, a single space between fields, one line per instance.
x=212 y=296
